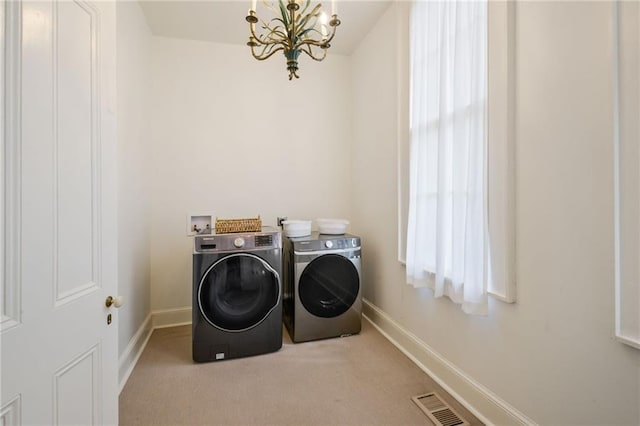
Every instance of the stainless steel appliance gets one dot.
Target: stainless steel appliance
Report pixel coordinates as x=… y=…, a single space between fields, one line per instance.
x=237 y=295
x=323 y=292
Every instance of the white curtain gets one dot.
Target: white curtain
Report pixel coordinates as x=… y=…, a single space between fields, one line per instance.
x=447 y=240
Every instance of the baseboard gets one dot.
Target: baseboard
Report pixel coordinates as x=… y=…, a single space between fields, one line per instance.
x=171 y=317
x=484 y=404
x=156 y=319
x=131 y=354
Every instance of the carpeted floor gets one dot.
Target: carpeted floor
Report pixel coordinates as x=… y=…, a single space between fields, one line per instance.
x=356 y=380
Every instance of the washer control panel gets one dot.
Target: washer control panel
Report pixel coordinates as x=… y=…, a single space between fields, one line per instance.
x=246 y=241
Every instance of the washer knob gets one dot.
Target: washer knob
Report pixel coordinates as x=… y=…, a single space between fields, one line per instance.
x=328 y=244
x=353 y=242
x=238 y=242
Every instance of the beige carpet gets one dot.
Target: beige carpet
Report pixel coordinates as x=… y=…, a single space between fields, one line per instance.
x=358 y=380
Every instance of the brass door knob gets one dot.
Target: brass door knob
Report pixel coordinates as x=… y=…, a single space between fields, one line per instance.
x=115 y=301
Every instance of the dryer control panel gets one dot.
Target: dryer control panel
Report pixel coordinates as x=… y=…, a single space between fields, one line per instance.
x=317 y=242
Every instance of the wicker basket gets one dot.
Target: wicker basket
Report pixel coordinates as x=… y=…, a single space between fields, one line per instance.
x=230 y=226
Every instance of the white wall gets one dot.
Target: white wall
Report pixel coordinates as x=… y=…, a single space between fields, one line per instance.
x=374 y=148
x=133 y=61
x=232 y=136
x=552 y=355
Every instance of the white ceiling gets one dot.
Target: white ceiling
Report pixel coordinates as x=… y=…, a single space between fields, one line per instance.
x=224 y=21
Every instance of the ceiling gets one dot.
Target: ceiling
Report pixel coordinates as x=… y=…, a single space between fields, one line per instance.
x=224 y=21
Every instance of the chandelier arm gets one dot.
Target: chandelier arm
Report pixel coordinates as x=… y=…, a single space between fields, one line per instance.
x=265 y=37
x=279 y=28
x=309 y=51
x=316 y=43
x=306 y=6
x=262 y=56
x=302 y=36
x=267 y=49
x=279 y=23
x=333 y=33
x=308 y=44
x=324 y=42
x=269 y=38
x=304 y=19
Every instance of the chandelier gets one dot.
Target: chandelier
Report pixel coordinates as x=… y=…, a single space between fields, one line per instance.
x=292 y=31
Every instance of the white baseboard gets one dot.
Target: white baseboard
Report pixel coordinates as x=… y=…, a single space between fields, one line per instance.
x=156 y=319
x=484 y=404
x=171 y=317
x=131 y=354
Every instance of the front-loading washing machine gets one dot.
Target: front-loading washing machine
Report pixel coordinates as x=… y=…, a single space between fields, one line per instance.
x=323 y=291
x=237 y=295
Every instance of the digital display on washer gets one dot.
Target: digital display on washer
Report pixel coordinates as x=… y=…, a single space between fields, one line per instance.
x=263 y=240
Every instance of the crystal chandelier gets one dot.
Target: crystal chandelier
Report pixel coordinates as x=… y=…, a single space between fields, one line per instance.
x=292 y=31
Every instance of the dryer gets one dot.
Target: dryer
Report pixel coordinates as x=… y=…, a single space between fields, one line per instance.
x=323 y=291
x=237 y=295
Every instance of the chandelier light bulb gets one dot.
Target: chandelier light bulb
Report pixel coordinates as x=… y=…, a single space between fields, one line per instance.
x=323 y=25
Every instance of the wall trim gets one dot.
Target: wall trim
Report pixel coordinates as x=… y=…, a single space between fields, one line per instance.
x=483 y=403
x=132 y=352
x=171 y=317
x=156 y=319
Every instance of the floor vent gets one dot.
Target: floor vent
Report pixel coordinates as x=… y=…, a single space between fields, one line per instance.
x=438 y=411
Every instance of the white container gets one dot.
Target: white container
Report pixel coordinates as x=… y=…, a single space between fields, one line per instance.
x=296 y=228
x=332 y=226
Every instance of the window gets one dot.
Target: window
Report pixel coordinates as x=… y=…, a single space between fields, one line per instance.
x=457 y=209
x=627 y=163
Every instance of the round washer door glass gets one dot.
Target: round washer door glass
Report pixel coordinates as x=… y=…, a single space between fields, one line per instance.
x=329 y=285
x=238 y=292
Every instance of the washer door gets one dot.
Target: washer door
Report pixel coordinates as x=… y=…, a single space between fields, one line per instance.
x=329 y=285
x=238 y=292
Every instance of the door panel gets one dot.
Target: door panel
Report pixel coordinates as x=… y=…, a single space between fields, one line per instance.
x=75 y=144
x=10 y=291
x=60 y=357
x=10 y=413
x=75 y=392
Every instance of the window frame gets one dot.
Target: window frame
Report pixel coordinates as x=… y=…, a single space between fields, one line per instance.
x=501 y=141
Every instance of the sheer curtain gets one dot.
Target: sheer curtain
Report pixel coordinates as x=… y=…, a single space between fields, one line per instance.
x=447 y=240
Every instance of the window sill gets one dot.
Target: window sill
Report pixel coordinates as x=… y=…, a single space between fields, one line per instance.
x=495 y=296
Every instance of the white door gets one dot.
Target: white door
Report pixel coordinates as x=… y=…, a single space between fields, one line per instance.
x=59 y=355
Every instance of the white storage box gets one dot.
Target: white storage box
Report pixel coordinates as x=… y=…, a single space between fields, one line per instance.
x=332 y=226
x=296 y=228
